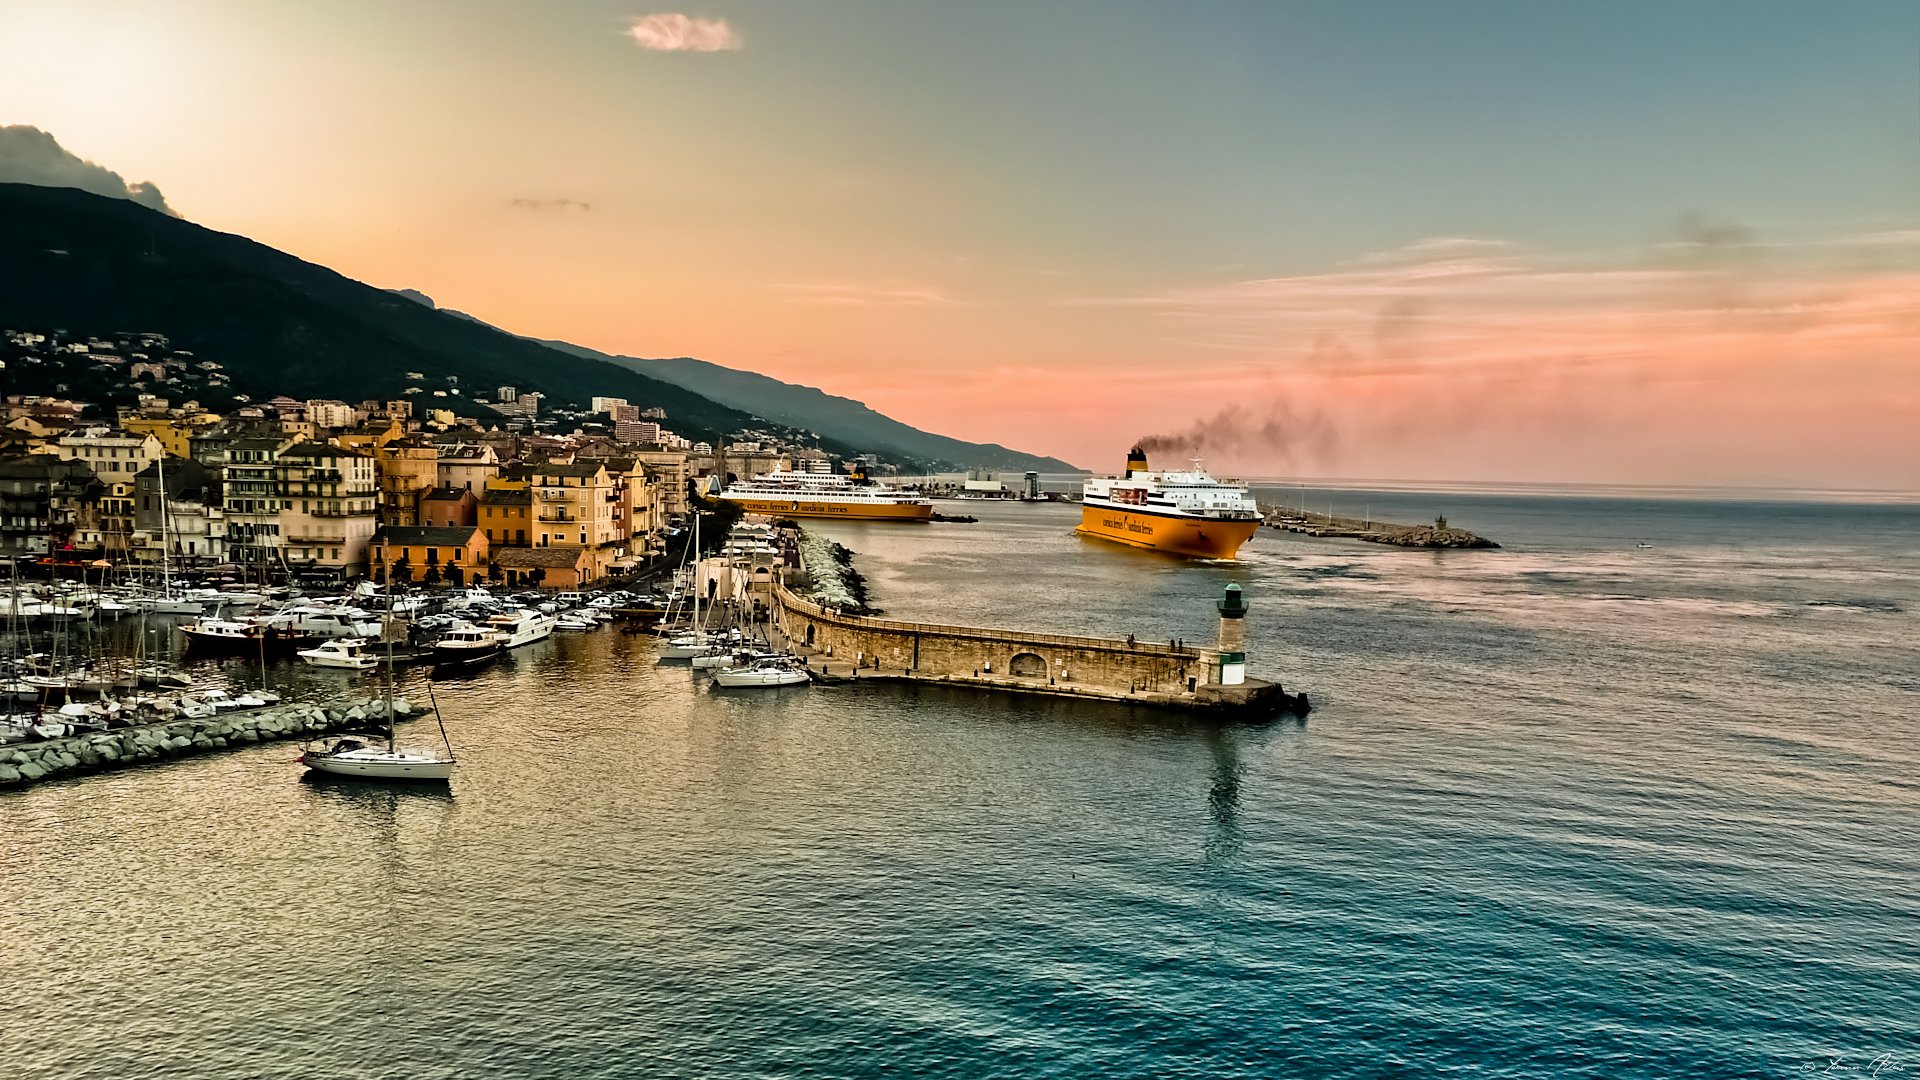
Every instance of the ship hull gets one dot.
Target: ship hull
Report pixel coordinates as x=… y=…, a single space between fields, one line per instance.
x=1194 y=538
x=814 y=508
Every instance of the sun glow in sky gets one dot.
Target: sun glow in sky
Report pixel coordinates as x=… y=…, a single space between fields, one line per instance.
x=1667 y=242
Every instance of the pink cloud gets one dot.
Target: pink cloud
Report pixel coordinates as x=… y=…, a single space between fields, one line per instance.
x=673 y=32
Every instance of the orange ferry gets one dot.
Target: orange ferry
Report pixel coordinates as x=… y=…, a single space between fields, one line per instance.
x=1183 y=512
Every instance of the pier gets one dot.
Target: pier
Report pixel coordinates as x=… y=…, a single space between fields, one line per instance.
x=1437 y=535
x=1177 y=675
x=165 y=740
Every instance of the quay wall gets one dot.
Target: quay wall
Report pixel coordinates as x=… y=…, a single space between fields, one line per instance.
x=1107 y=666
x=23 y=764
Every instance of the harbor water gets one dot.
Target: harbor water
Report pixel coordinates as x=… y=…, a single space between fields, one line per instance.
x=1637 y=795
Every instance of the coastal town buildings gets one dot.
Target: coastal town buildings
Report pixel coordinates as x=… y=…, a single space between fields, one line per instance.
x=329 y=507
x=172 y=461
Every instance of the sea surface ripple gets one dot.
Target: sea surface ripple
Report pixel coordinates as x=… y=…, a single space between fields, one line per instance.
x=1574 y=808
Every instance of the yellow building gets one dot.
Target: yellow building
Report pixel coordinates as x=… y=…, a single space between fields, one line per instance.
x=175 y=433
x=573 y=505
x=412 y=550
x=373 y=436
x=408 y=470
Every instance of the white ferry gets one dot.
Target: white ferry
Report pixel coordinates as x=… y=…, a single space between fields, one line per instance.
x=826 y=495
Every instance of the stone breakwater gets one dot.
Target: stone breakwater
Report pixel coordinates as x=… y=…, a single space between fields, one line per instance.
x=1437 y=535
x=75 y=755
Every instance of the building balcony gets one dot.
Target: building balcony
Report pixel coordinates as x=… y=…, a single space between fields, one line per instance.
x=559 y=516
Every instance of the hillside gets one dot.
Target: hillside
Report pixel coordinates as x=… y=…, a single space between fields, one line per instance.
x=815 y=410
x=73 y=260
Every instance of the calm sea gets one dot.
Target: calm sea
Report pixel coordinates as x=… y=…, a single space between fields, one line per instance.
x=1574 y=808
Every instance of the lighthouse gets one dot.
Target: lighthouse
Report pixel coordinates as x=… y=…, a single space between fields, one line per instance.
x=1232 y=642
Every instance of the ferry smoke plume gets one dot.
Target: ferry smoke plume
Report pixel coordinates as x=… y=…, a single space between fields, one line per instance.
x=1278 y=432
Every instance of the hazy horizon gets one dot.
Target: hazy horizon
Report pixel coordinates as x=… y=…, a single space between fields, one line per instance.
x=1638 y=244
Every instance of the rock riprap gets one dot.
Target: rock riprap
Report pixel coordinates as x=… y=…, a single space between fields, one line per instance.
x=97 y=751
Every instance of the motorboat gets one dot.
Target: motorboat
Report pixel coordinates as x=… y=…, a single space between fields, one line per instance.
x=354 y=757
x=326 y=621
x=576 y=622
x=349 y=653
x=769 y=672
x=466 y=643
x=523 y=627
x=233 y=636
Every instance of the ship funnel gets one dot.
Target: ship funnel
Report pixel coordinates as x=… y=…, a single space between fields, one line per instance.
x=1136 y=461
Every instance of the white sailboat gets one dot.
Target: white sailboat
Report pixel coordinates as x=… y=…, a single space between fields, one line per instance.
x=773 y=671
x=357 y=757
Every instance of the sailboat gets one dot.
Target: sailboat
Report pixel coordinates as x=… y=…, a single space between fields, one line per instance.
x=700 y=641
x=355 y=756
x=166 y=603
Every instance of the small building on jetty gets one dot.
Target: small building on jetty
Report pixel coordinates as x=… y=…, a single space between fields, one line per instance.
x=1163 y=674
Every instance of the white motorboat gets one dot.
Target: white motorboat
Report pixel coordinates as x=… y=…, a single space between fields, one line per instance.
x=523 y=627
x=762 y=673
x=576 y=623
x=349 y=653
x=325 y=621
x=354 y=757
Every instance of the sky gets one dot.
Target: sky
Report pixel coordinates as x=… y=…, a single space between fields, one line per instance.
x=1623 y=242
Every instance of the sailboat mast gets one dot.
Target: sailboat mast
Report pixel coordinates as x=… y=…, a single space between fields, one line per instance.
x=166 y=577
x=386 y=631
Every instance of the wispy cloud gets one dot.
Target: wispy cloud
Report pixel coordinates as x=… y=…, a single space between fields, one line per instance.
x=673 y=32
x=881 y=294
x=550 y=204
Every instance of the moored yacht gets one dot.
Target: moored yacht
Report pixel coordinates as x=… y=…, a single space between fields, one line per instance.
x=523 y=627
x=354 y=757
x=349 y=653
x=768 y=672
x=466 y=643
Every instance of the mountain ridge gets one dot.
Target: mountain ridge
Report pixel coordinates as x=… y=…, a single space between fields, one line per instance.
x=278 y=323
x=805 y=406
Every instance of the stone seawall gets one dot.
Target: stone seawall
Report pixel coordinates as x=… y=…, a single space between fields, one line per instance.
x=931 y=650
x=28 y=763
x=1437 y=535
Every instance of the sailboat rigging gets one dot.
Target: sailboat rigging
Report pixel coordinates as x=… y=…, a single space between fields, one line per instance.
x=356 y=757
